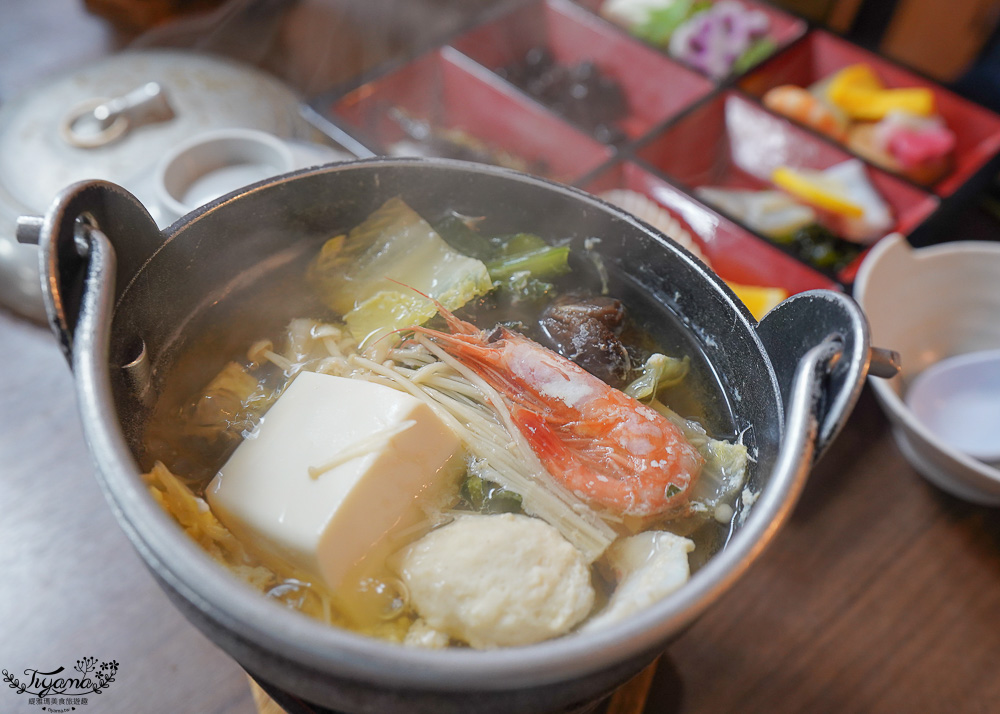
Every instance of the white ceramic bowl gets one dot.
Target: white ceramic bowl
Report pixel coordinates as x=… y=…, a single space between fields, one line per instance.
x=929 y=304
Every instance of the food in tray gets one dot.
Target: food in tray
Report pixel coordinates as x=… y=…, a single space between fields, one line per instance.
x=771 y=213
x=806 y=108
x=717 y=38
x=818 y=246
x=920 y=148
x=581 y=93
x=759 y=299
x=425 y=139
x=847 y=202
x=897 y=129
x=825 y=217
x=648 y=210
x=859 y=92
x=467 y=480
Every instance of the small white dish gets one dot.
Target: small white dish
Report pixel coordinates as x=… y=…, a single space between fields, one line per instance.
x=930 y=304
x=958 y=399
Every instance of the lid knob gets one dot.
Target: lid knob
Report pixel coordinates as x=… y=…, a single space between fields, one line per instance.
x=98 y=122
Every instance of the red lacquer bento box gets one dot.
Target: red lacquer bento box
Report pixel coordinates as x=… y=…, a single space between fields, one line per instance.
x=821 y=55
x=574 y=92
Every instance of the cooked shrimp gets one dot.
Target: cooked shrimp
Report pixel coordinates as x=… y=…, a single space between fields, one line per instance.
x=608 y=448
x=802 y=106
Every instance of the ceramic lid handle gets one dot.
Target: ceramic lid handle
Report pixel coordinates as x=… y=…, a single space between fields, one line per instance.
x=98 y=122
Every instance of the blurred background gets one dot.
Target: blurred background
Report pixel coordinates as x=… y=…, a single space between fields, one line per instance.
x=310 y=44
x=952 y=42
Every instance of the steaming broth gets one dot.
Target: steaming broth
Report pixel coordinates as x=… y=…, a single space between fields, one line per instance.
x=195 y=429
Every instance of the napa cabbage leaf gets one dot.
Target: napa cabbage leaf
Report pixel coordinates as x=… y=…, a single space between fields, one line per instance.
x=378 y=274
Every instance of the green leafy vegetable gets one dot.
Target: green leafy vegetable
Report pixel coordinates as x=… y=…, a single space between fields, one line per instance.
x=658 y=373
x=374 y=275
x=524 y=265
x=725 y=468
x=754 y=54
x=662 y=22
x=488 y=497
x=518 y=243
x=818 y=245
x=548 y=262
x=459 y=235
x=521 y=287
x=526 y=252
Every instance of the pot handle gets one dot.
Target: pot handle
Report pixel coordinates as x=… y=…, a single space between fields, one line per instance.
x=804 y=321
x=92 y=232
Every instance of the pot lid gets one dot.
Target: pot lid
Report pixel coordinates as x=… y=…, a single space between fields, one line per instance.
x=113 y=120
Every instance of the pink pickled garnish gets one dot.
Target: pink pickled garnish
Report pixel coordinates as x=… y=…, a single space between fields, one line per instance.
x=912 y=148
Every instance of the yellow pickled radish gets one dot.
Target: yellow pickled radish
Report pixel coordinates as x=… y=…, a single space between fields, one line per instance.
x=758 y=299
x=859 y=93
x=860 y=76
x=817 y=190
x=868 y=105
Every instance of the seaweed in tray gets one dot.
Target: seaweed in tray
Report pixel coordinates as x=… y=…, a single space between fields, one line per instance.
x=581 y=93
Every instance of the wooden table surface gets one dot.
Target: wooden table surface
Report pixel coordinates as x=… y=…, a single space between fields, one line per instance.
x=880 y=595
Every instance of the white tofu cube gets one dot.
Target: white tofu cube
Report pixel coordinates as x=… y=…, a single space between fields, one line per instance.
x=384 y=450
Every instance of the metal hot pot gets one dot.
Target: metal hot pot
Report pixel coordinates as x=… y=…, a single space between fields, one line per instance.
x=127 y=301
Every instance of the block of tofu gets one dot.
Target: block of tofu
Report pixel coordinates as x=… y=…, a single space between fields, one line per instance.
x=333 y=466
